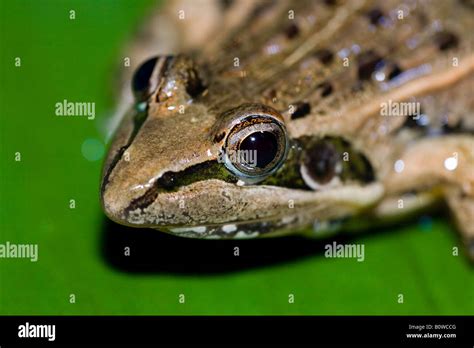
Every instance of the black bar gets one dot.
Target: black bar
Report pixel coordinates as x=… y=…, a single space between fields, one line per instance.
x=243 y=329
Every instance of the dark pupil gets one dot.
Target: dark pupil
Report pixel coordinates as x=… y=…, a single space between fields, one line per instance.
x=141 y=79
x=265 y=146
x=321 y=162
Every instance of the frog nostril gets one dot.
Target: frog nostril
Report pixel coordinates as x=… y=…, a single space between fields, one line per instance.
x=325 y=56
x=326 y=88
x=194 y=84
x=301 y=110
x=292 y=31
x=375 y=16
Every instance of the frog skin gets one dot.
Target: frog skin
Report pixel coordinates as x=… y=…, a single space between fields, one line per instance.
x=303 y=85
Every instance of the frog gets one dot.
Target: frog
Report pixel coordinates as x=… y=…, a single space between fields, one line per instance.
x=255 y=119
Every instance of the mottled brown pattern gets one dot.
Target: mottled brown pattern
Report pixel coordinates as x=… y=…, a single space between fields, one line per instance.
x=334 y=64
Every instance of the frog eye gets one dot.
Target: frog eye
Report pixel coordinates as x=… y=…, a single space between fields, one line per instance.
x=321 y=166
x=143 y=83
x=256 y=147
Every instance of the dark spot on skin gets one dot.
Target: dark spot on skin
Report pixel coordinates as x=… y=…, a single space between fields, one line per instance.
x=325 y=56
x=219 y=137
x=468 y=3
x=301 y=110
x=394 y=71
x=367 y=63
x=292 y=31
x=225 y=4
x=375 y=15
x=413 y=122
x=330 y=2
x=326 y=88
x=194 y=85
x=321 y=161
x=389 y=68
x=445 y=40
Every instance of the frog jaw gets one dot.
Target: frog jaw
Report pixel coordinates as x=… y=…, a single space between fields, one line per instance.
x=209 y=209
x=168 y=182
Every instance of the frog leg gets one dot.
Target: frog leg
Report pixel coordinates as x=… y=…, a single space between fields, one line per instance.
x=462 y=209
x=446 y=162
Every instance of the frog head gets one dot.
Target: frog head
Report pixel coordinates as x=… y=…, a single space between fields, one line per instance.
x=196 y=159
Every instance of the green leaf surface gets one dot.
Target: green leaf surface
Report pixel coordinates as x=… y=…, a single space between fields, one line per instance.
x=61 y=159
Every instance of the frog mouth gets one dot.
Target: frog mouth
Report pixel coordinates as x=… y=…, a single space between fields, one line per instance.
x=265 y=218
x=298 y=223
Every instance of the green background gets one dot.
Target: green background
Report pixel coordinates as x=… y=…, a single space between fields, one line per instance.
x=61 y=160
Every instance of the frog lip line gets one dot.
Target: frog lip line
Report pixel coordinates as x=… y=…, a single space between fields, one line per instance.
x=350 y=196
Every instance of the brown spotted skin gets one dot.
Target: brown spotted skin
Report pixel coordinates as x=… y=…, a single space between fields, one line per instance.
x=325 y=68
